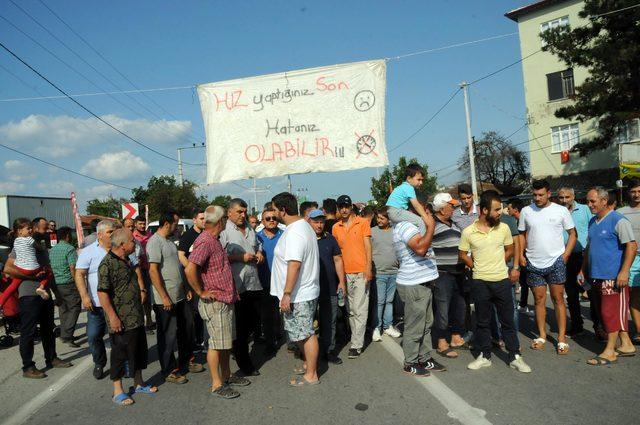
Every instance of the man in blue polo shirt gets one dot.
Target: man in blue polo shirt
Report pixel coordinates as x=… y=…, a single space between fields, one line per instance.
x=268 y=237
x=581 y=217
x=610 y=253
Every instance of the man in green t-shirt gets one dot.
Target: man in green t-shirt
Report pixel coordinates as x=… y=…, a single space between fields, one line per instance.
x=63 y=259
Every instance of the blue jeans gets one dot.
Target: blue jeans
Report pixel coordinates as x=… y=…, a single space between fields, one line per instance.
x=96 y=329
x=385 y=290
x=496 y=332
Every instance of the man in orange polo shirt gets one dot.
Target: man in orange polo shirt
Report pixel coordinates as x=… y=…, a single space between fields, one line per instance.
x=353 y=234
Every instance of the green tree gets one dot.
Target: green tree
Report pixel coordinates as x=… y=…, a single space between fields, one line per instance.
x=608 y=48
x=164 y=194
x=395 y=177
x=497 y=161
x=222 y=200
x=107 y=207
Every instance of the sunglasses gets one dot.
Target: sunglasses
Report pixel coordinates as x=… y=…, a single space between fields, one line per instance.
x=269 y=219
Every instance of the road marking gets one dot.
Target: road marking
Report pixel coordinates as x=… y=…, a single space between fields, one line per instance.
x=457 y=408
x=38 y=402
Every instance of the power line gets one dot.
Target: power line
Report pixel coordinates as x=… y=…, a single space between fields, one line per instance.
x=66 y=46
x=42 y=97
x=51 y=164
x=97 y=52
x=84 y=107
x=427 y=122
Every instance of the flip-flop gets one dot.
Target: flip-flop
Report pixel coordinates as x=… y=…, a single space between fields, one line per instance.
x=299 y=370
x=562 y=348
x=300 y=381
x=623 y=354
x=121 y=398
x=538 y=344
x=600 y=361
x=464 y=346
x=444 y=353
x=146 y=389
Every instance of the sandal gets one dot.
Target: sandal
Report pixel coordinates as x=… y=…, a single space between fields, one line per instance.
x=538 y=344
x=445 y=353
x=562 y=348
x=122 y=399
x=225 y=391
x=301 y=381
x=625 y=354
x=145 y=389
x=299 y=370
x=600 y=361
x=464 y=346
x=636 y=340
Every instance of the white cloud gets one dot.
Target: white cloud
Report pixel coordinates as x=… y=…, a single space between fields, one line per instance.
x=62 y=135
x=116 y=166
x=18 y=171
x=60 y=188
x=11 y=188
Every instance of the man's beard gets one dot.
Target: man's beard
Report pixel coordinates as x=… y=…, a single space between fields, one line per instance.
x=493 y=222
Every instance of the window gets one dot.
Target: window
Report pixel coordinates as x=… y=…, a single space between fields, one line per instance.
x=560 y=84
x=564 y=137
x=556 y=23
x=630 y=132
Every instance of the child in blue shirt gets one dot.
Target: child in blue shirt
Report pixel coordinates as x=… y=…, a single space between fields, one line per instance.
x=404 y=194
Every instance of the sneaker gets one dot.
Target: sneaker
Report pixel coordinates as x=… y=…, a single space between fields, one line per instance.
x=176 y=378
x=519 y=365
x=238 y=381
x=43 y=293
x=33 y=373
x=333 y=358
x=375 y=337
x=433 y=366
x=59 y=363
x=392 y=332
x=225 y=391
x=98 y=372
x=195 y=367
x=354 y=353
x=526 y=311
x=416 y=370
x=479 y=363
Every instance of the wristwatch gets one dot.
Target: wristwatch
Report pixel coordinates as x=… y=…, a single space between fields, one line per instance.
x=287 y=293
x=516 y=267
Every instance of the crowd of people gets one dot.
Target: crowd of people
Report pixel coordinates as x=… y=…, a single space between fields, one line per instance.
x=442 y=275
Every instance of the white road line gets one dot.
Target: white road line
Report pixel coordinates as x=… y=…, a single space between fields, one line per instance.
x=36 y=403
x=456 y=406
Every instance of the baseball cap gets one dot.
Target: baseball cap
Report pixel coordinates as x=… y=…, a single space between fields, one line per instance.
x=316 y=214
x=344 y=200
x=444 y=198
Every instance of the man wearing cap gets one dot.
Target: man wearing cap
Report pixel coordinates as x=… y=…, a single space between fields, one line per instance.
x=353 y=234
x=449 y=305
x=331 y=281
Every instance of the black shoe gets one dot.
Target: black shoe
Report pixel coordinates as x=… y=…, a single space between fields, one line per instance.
x=245 y=373
x=333 y=359
x=354 y=353
x=433 y=366
x=416 y=369
x=98 y=372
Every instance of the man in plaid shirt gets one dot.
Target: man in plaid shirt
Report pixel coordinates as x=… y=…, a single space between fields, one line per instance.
x=63 y=259
x=209 y=274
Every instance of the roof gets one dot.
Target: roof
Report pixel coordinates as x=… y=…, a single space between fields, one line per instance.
x=525 y=10
x=87 y=219
x=35 y=197
x=582 y=182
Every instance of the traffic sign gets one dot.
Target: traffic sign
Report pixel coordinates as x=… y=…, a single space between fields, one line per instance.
x=130 y=210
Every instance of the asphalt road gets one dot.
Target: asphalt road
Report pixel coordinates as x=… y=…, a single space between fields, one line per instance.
x=369 y=390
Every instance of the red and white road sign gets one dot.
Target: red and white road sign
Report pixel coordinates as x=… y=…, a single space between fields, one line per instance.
x=130 y=210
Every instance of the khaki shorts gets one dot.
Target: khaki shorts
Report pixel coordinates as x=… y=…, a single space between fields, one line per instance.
x=221 y=323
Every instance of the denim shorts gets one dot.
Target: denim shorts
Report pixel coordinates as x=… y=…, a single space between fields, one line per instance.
x=556 y=274
x=298 y=323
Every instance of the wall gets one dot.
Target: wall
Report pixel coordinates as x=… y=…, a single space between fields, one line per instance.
x=58 y=209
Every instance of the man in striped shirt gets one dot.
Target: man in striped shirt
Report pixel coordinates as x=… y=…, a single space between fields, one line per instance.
x=414 y=284
x=449 y=305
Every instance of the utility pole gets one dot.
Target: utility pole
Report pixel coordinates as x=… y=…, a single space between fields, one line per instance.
x=472 y=159
x=180 y=173
x=255 y=196
x=289 y=182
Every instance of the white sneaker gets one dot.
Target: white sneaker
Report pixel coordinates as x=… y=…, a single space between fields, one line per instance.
x=392 y=332
x=519 y=365
x=479 y=363
x=376 y=335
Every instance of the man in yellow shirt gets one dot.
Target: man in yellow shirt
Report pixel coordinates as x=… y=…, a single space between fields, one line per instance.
x=491 y=246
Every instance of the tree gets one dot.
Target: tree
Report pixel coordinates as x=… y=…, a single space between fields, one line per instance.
x=395 y=177
x=164 y=194
x=608 y=48
x=222 y=200
x=108 y=207
x=497 y=161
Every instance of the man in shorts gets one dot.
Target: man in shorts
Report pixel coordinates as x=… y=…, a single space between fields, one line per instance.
x=610 y=252
x=543 y=223
x=295 y=280
x=632 y=213
x=209 y=275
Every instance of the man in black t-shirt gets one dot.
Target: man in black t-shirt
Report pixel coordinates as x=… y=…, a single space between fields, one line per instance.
x=330 y=208
x=184 y=249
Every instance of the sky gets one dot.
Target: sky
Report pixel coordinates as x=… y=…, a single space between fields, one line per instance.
x=178 y=44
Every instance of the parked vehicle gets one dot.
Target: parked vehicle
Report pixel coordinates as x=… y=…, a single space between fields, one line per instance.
x=184 y=224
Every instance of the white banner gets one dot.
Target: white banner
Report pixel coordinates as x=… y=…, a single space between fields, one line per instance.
x=319 y=119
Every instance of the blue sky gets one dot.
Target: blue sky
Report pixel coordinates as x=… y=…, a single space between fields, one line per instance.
x=173 y=44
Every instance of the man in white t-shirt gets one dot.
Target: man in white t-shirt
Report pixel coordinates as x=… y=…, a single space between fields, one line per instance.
x=542 y=223
x=295 y=280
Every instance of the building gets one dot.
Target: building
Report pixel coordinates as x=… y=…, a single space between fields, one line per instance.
x=548 y=85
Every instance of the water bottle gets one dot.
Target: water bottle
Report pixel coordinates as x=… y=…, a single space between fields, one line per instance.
x=340 y=298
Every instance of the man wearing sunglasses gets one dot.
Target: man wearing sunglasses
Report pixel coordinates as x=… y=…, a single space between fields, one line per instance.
x=268 y=237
